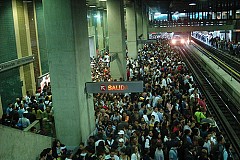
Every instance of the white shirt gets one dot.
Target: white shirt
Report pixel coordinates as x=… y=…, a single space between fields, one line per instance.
x=135 y=156
x=131 y=73
x=146 y=118
x=208 y=146
x=155 y=99
x=156 y=116
x=164 y=82
x=147 y=142
x=169 y=81
x=115 y=157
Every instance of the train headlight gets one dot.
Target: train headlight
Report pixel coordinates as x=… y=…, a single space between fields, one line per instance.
x=173 y=41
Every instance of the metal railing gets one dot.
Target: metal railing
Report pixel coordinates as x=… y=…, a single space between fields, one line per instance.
x=193 y=22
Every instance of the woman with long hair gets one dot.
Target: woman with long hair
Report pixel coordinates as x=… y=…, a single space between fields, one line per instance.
x=135 y=153
x=58 y=149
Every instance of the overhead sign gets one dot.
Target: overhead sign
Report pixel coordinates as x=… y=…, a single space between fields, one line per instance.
x=114 y=87
x=15 y=63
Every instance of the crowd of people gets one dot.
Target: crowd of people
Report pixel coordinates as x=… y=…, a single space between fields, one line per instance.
x=168 y=121
x=25 y=110
x=232 y=47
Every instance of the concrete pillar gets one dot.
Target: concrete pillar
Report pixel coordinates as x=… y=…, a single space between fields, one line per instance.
x=145 y=26
x=116 y=33
x=69 y=62
x=23 y=44
x=131 y=31
x=99 y=20
x=105 y=30
x=139 y=26
x=139 y=21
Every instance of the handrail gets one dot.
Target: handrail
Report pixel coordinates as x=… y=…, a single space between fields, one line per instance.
x=192 y=22
x=34 y=124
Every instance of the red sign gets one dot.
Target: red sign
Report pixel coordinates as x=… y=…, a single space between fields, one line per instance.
x=103 y=87
x=114 y=87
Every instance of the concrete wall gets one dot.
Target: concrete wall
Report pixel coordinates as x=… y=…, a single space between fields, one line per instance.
x=18 y=145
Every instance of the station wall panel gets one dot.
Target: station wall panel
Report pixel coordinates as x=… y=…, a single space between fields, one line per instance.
x=10 y=84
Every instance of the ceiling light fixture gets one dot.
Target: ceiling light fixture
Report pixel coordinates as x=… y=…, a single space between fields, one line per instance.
x=192 y=4
x=92 y=6
x=27 y=1
x=97 y=16
x=102 y=0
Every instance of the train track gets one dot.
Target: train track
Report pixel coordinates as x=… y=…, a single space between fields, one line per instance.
x=219 y=106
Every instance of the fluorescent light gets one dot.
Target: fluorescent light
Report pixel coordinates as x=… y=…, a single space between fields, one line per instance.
x=192 y=4
x=102 y=0
x=92 y=6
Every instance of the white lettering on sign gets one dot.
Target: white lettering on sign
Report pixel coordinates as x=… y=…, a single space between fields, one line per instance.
x=114 y=87
x=103 y=88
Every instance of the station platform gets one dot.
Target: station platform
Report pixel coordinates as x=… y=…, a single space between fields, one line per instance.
x=231 y=85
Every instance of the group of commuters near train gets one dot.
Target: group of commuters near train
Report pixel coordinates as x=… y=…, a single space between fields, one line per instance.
x=168 y=121
x=231 y=47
